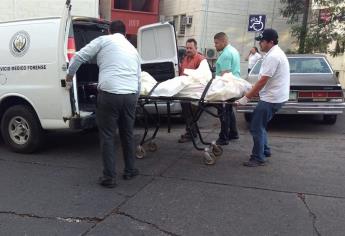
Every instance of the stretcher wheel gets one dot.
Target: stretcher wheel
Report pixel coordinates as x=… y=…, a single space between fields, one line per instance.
x=217 y=150
x=209 y=158
x=140 y=152
x=152 y=146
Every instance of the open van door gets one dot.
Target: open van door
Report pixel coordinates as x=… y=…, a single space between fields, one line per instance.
x=65 y=56
x=158 y=50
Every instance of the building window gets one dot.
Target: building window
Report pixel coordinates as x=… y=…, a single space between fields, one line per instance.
x=142 y=5
x=182 y=29
x=121 y=4
x=135 y=5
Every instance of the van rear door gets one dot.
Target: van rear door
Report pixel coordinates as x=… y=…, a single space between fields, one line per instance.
x=64 y=57
x=158 y=50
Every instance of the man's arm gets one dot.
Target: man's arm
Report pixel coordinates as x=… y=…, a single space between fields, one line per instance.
x=254 y=91
x=84 y=55
x=257 y=87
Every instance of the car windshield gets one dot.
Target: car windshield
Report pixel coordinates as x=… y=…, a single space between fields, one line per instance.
x=301 y=65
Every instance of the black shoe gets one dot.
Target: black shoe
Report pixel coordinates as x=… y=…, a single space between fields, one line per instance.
x=107 y=182
x=268 y=154
x=222 y=142
x=130 y=175
x=185 y=138
x=253 y=163
x=234 y=137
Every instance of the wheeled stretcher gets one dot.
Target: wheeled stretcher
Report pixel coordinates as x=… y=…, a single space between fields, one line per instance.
x=211 y=149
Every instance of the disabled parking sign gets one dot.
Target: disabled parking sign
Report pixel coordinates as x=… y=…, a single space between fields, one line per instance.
x=256 y=23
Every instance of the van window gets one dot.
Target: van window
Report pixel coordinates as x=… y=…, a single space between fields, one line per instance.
x=85 y=33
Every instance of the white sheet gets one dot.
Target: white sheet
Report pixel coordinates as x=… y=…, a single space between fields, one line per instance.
x=193 y=84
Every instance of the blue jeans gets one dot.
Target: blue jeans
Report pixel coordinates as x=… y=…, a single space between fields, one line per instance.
x=263 y=113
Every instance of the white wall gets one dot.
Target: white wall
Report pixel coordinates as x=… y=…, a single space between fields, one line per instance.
x=104 y=9
x=20 y=9
x=338 y=64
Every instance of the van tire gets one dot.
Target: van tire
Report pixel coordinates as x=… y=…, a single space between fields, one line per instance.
x=21 y=129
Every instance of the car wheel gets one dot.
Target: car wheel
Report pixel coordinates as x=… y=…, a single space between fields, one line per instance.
x=248 y=117
x=329 y=119
x=21 y=129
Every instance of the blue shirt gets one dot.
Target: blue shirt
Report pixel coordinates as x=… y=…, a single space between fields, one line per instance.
x=118 y=62
x=229 y=60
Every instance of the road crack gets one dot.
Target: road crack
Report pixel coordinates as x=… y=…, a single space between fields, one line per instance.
x=246 y=186
x=41 y=164
x=313 y=216
x=145 y=222
x=58 y=218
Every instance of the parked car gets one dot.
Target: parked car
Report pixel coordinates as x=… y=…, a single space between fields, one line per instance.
x=314 y=89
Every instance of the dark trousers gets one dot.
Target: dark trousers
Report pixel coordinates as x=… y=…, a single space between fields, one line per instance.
x=228 y=126
x=116 y=111
x=187 y=113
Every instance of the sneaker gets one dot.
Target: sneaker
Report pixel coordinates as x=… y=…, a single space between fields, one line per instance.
x=107 y=182
x=222 y=142
x=253 y=163
x=130 y=175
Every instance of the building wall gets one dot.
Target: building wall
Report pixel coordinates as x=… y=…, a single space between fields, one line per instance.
x=104 y=9
x=338 y=64
x=21 y=9
x=231 y=17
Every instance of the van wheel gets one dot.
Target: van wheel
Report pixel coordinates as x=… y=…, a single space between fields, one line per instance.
x=329 y=119
x=248 y=117
x=21 y=129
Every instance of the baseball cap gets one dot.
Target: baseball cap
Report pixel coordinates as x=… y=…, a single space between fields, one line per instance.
x=268 y=35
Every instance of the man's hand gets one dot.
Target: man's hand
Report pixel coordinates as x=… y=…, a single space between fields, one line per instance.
x=69 y=78
x=242 y=101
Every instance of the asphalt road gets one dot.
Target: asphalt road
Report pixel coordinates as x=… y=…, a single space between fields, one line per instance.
x=300 y=192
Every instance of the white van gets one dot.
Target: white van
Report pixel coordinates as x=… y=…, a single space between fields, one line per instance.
x=33 y=63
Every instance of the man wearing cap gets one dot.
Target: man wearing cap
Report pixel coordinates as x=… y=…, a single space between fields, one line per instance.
x=228 y=61
x=273 y=88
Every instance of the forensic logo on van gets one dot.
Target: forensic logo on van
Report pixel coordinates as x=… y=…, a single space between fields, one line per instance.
x=20 y=43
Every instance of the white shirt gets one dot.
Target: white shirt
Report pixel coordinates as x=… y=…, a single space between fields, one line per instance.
x=252 y=59
x=276 y=66
x=118 y=62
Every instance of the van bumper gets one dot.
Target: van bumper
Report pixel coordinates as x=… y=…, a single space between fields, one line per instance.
x=87 y=122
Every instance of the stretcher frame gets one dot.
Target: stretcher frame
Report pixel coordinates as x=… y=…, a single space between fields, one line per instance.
x=211 y=150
